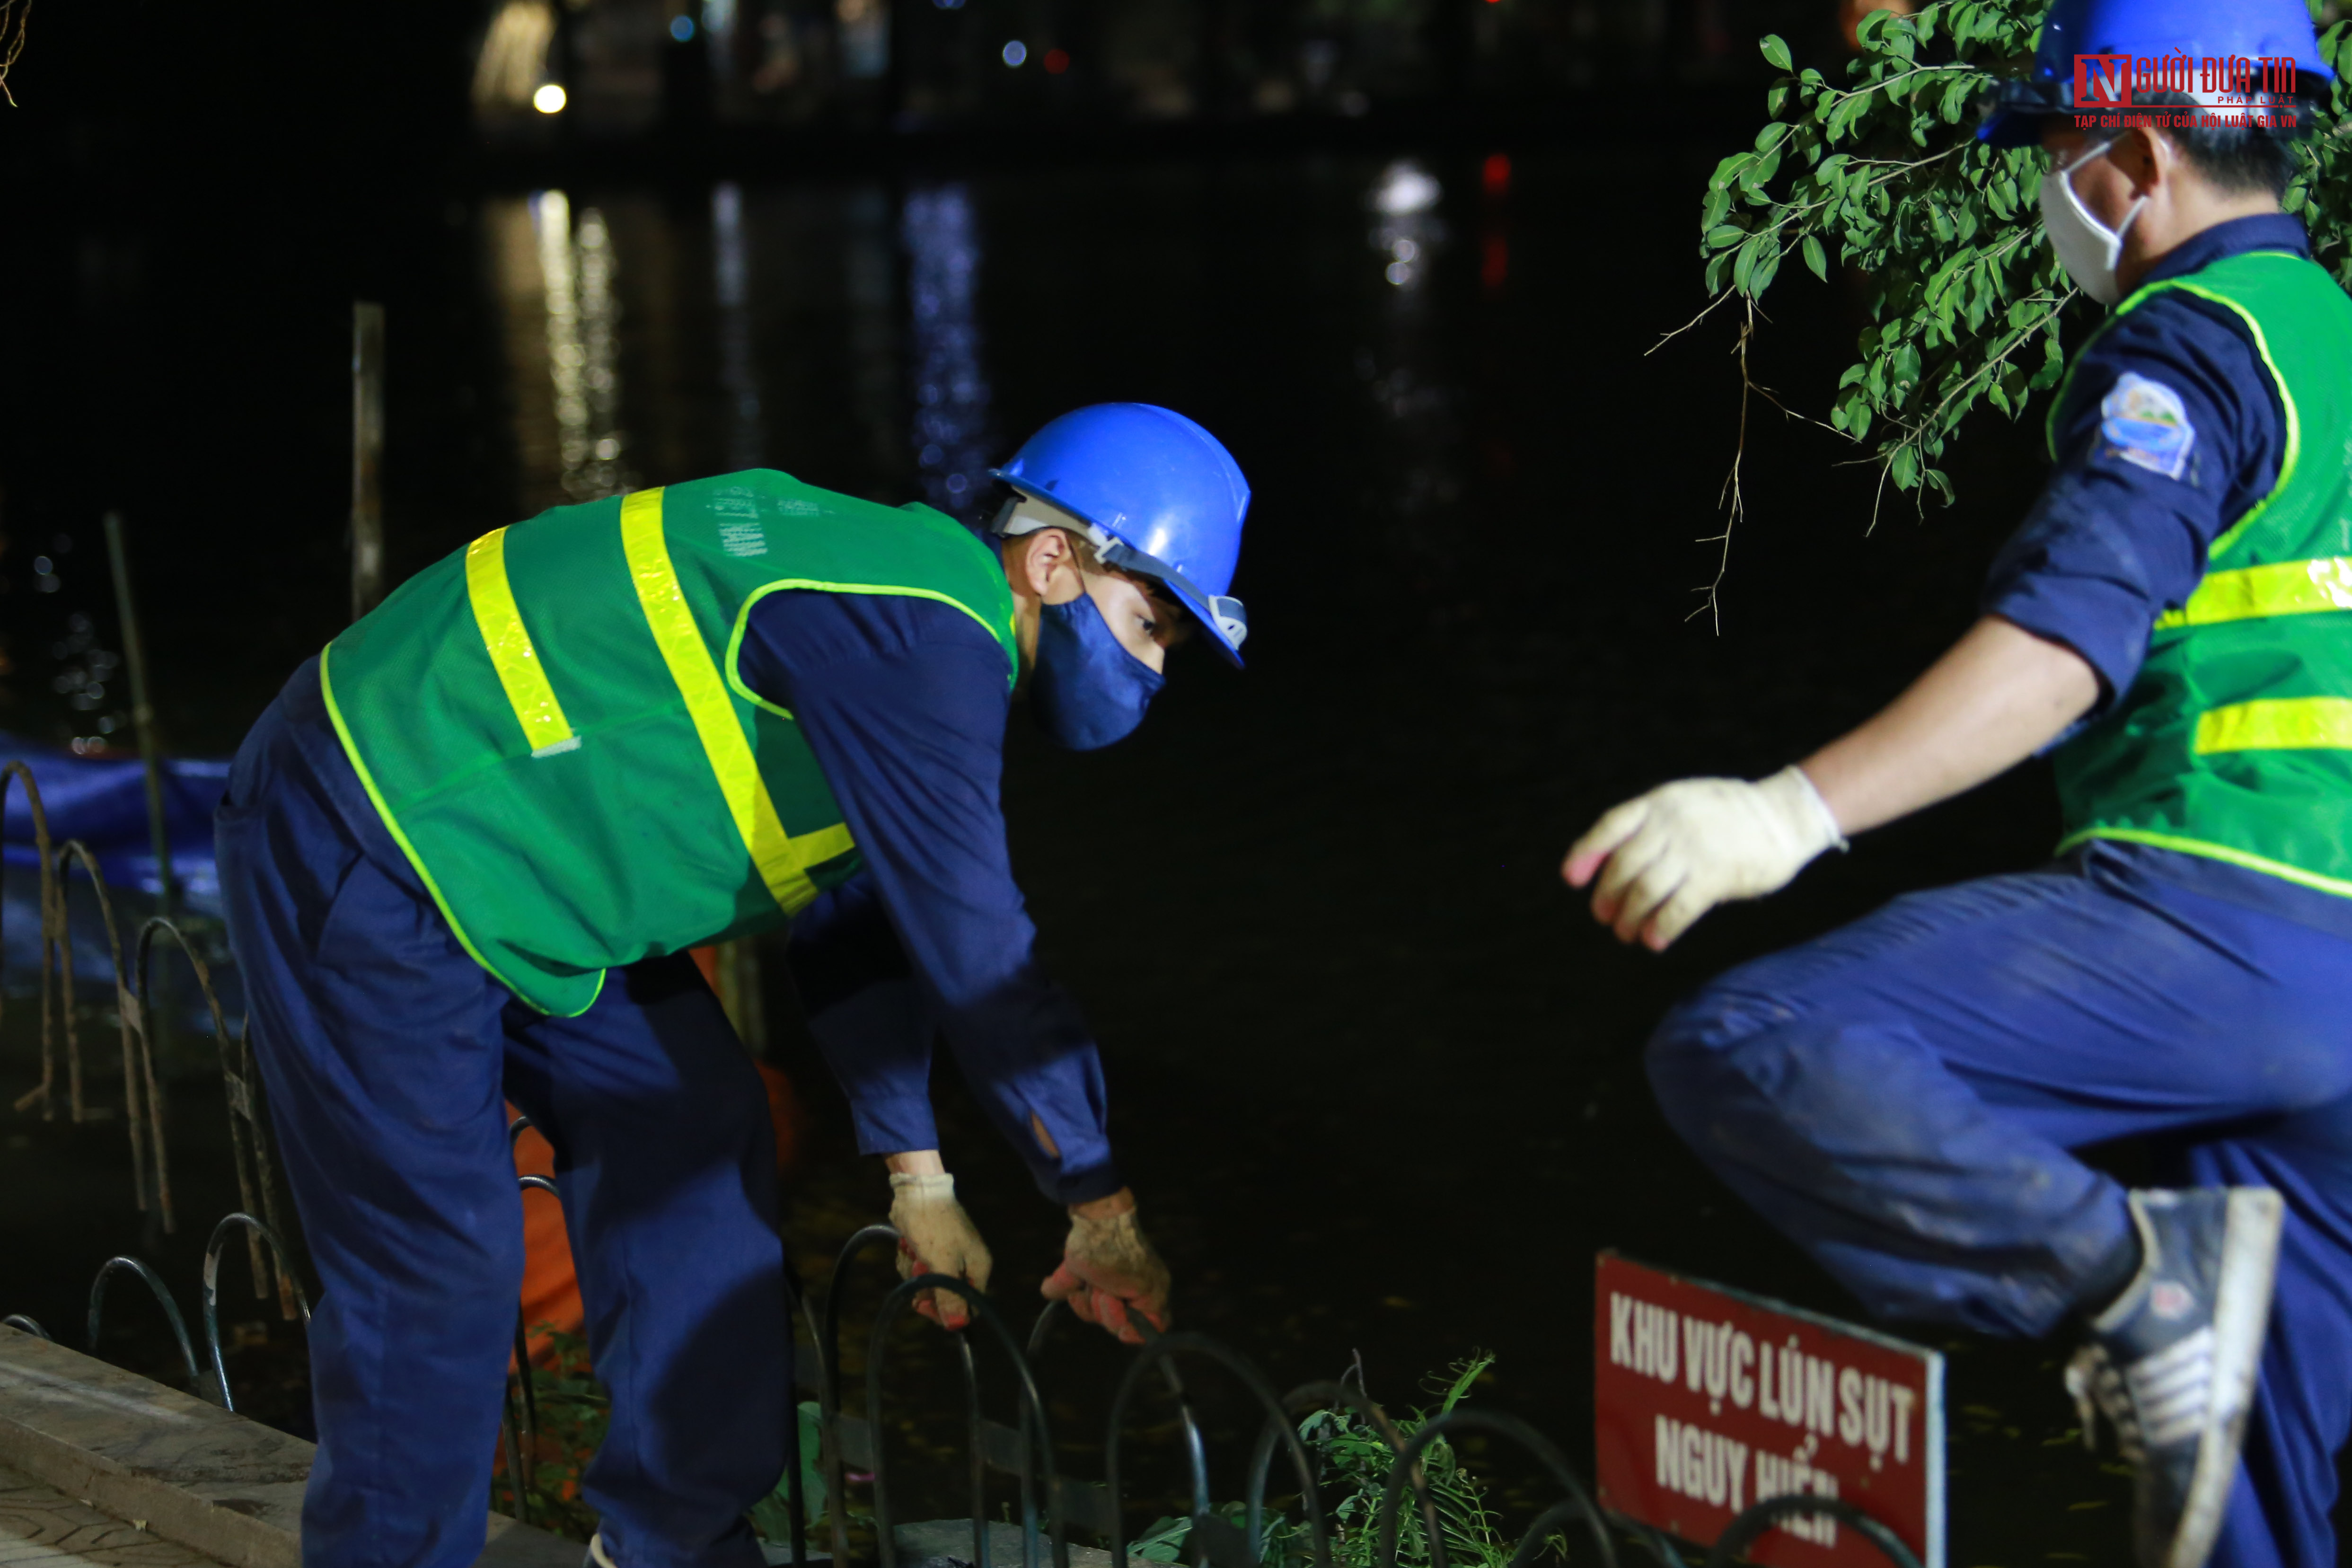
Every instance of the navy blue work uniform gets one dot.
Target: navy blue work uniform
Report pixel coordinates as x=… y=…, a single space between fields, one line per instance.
x=1900 y=1096
x=388 y=1053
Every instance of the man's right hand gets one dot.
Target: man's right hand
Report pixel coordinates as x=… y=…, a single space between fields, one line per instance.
x=936 y=1237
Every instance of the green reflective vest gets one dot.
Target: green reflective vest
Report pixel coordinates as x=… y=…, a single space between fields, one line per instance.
x=551 y=724
x=2235 y=742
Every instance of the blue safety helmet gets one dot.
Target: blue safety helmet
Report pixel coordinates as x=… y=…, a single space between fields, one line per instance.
x=2146 y=29
x=1168 y=496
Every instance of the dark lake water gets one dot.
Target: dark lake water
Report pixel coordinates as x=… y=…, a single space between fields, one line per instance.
x=1375 y=1075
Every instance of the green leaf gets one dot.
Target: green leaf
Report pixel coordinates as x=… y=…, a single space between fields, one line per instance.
x=1905 y=468
x=1816 y=257
x=1777 y=52
x=1907 y=366
x=1745 y=265
x=1725 y=173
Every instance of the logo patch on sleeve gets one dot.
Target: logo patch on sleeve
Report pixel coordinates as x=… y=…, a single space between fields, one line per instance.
x=2144 y=422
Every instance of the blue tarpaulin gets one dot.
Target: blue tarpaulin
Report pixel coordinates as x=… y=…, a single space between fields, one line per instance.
x=101 y=800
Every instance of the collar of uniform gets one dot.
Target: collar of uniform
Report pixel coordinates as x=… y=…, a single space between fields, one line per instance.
x=2269 y=231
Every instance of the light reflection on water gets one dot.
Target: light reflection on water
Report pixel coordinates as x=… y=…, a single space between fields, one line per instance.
x=739 y=377
x=954 y=446
x=839 y=332
x=555 y=284
x=869 y=305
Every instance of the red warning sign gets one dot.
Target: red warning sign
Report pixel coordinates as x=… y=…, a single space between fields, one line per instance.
x=1708 y=1401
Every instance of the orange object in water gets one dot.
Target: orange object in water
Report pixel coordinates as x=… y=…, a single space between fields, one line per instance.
x=550 y=1286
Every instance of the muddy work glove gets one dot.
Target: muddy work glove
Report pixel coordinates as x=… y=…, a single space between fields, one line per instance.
x=936 y=1237
x=1666 y=858
x=1109 y=1274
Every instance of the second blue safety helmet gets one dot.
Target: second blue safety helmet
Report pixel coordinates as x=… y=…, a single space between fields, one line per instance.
x=1167 y=497
x=2147 y=29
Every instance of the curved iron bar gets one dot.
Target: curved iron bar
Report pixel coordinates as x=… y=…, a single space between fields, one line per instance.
x=828 y=1388
x=975 y=1454
x=1196 y=1448
x=1742 y=1532
x=1550 y=1519
x=796 y=1306
x=893 y=1306
x=18 y=1321
x=246 y=1086
x=212 y=1290
x=115 y=1265
x=1329 y=1393
x=1037 y=1329
x=75 y=849
x=238 y=1103
x=51 y=920
x=1652 y=1540
x=1501 y=1425
x=1162 y=1347
x=523 y=1435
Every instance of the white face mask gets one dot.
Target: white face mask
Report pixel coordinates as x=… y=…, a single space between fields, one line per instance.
x=2087 y=248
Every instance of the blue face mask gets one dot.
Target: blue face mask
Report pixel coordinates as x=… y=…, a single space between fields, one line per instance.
x=1087 y=690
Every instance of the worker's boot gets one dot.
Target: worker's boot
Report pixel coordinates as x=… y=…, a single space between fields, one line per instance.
x=2172 y=1361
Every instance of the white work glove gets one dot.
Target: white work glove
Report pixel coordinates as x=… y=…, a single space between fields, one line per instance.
x=936 y=1237
x=1109 y=1270
x=1677 y=852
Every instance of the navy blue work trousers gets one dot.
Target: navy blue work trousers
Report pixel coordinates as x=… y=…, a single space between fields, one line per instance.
x=387 y=1054
x=1900 y=1096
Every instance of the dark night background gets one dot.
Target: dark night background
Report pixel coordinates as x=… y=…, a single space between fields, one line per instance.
x=1375 y=1075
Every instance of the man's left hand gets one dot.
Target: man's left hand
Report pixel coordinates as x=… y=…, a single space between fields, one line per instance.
x=1110 y=1273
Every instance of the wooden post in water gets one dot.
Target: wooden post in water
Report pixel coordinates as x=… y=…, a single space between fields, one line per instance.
x=367 y=456
x=142 y=713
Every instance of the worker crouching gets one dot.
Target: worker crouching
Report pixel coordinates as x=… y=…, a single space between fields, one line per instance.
x=467 y=851
x=1902 y=1097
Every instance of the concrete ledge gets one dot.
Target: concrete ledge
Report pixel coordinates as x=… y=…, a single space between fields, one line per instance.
x=187 y=1471
x=231 y=1489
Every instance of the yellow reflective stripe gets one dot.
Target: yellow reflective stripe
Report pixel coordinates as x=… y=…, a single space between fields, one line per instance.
x=2284 y=588
x=2278 y=724
x=544 y=728
x=2185 y=846
x=783 y=861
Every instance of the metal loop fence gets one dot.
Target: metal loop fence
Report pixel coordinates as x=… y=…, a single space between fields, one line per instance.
x=1052 y=1504
x=136 y=1023
x=1027 y=1453
x=256 y=1233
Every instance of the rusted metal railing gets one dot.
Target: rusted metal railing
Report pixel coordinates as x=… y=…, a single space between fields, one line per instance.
x=135 y=1022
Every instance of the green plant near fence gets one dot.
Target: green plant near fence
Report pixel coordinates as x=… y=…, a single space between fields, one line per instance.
x=1881 y=173
x=1354 y=1463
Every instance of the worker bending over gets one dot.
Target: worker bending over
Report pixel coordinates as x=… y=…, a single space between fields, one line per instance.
x=466 y=855
x=2176 y=612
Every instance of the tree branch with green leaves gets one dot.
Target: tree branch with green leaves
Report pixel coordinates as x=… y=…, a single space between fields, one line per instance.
x=1882 y=176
